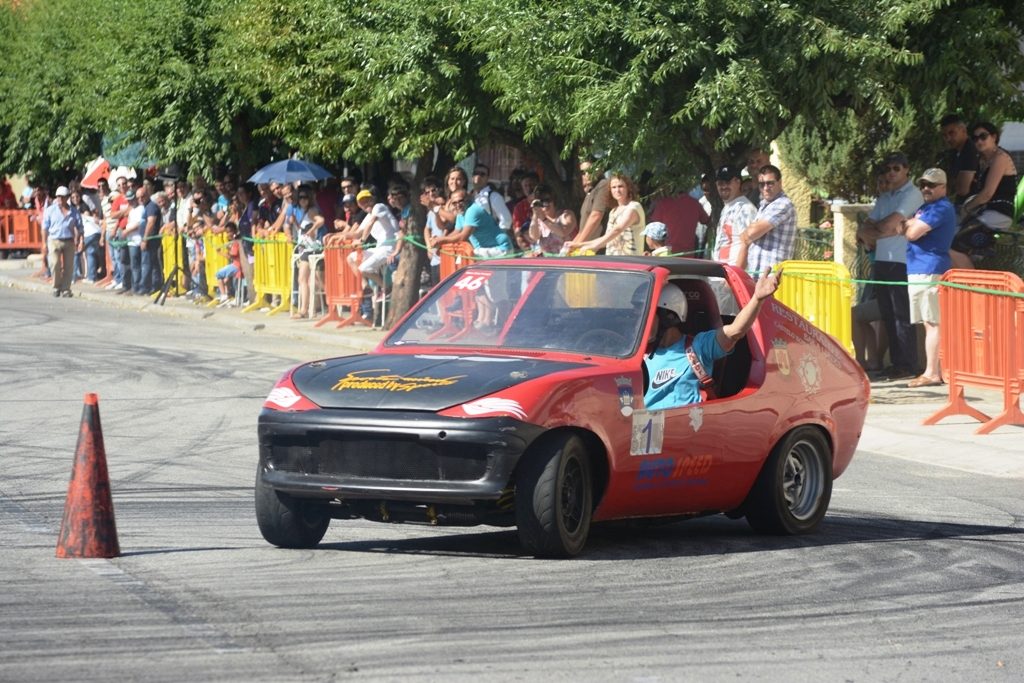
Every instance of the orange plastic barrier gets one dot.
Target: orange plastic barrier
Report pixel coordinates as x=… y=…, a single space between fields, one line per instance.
x=19 y=231
x=982 y=343
x=455 y=257
x=342 y=287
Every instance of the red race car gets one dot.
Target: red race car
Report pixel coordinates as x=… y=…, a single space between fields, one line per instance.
x=514 y=395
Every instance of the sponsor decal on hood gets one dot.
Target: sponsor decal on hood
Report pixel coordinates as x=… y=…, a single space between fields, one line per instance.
x=416 y=382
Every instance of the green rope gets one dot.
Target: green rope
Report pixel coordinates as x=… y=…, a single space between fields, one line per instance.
x=954 y=285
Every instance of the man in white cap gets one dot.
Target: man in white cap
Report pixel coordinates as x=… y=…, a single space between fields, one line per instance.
x=62 y=225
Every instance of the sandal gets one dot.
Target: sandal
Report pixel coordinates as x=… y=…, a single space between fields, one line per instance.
x=924 y=381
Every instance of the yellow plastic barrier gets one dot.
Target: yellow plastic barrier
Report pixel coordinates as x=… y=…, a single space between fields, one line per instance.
x=169 y=242
x=580 y=288
x=820 y=291
x=217 y=257
x=272 y=272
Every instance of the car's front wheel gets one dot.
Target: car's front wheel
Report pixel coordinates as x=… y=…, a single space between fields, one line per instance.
x=288 y=522
x=793 y=490
x=554 y=498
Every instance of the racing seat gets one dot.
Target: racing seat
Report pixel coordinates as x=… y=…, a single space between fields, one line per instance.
x=701 y=306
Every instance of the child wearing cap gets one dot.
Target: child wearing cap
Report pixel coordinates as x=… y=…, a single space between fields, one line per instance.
x=655 y=235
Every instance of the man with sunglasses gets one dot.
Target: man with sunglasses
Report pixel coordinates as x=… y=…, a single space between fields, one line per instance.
x=883 y=231
x=929 y=235
x=771 y=236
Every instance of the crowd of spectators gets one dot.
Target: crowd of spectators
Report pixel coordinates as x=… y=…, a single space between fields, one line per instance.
x=919 y=227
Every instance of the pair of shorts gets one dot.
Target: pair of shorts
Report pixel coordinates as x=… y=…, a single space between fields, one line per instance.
x=924 y=298
x=227 y=272
x=374 y=260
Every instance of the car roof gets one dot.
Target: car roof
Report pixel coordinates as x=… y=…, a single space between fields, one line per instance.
x=675 y=265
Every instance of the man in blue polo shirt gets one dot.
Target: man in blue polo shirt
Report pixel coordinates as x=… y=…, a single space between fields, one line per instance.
x=929 y=235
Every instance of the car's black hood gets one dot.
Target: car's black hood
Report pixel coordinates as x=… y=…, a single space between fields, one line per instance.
x=414 y=382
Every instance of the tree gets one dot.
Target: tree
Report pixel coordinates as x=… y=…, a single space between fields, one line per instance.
x=52 y=87
x=170 y=90
x=685 y=85
x=971 y=63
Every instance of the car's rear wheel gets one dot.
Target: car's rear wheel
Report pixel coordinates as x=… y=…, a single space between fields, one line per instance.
x=286 y=521
x=793 y=490
x=554 y=498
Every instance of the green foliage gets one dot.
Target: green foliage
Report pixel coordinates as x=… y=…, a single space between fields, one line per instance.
x=971 y=63
x=51 y=86
x=681 y=86
x=672 y=87
x=359 y=79
x=171 y=92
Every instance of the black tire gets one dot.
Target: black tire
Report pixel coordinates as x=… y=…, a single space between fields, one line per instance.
x=288 y=522
x=554 y=498
x=793 y=490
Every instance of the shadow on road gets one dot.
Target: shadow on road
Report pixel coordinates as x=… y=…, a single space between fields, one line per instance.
x=694 y=538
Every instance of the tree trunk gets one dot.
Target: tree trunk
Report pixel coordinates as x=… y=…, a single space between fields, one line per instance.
x=405 y=284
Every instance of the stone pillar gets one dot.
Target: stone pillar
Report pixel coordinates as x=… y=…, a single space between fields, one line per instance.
x=844 y=231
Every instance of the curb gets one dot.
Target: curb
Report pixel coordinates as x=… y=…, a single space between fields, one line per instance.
x=15 y=275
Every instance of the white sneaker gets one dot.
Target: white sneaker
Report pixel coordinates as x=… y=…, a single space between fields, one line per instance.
x=118 y=287
x=111 y=285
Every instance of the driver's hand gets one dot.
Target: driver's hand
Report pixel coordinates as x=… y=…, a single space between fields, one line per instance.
x=767 y=284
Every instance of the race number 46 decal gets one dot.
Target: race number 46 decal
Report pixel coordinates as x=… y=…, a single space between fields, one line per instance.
x=648 y=432
x=472 y=281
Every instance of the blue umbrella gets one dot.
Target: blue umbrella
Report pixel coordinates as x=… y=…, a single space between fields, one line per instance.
x=290 y=171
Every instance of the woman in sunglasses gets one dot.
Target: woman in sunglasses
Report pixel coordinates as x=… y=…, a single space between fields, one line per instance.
x=991 y=209
x=997 y=177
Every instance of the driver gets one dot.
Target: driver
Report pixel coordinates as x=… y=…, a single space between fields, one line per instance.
x=680 y=364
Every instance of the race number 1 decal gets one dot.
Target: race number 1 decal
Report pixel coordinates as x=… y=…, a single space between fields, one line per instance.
x=648 y=432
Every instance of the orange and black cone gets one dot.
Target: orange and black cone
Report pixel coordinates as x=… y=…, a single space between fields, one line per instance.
x=88 y=527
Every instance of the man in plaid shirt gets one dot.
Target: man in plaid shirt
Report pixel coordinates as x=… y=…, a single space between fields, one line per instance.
x=771 y=236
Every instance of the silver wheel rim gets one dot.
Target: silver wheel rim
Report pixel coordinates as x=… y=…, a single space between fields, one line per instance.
x=803 y=480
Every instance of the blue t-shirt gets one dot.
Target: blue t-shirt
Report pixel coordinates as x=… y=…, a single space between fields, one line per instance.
x=151 y=210
x=486 y=233
x=673 y=382
x=929 y=255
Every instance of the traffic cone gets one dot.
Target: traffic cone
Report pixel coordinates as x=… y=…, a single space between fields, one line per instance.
x=88 y=527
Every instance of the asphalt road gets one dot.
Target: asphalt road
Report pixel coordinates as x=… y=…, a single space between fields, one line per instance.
x=917 y=575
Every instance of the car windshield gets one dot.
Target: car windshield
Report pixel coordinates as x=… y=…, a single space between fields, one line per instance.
x=580 y=310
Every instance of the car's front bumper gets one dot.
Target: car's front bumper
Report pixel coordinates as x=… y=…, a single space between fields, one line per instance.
x=415 y=457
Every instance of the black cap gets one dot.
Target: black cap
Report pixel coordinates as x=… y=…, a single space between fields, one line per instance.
x=727 y=173
x=896 y=158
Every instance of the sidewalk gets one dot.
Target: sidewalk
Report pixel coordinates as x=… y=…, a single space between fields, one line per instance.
x=893 y=425
x=18 y=273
